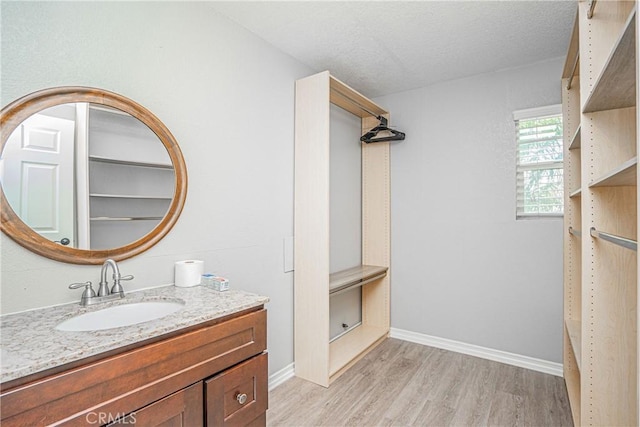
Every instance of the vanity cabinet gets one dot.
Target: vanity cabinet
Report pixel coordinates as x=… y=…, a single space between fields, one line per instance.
x=211 y=374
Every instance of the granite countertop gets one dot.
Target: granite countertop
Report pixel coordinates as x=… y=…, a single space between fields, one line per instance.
x=30 y=342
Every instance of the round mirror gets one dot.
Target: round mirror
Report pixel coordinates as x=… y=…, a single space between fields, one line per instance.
x=87 y=175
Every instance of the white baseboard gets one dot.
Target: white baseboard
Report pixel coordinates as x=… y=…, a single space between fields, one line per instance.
x=521 y=361
x=527 y=362
x=281 y=376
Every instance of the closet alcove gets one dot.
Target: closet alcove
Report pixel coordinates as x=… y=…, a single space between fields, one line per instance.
x=318 y=358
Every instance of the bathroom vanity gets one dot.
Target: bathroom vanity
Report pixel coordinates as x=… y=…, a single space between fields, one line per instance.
x=206 y=364
x=165 y=356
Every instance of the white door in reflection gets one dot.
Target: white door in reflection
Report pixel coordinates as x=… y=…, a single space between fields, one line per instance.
x=37 y=175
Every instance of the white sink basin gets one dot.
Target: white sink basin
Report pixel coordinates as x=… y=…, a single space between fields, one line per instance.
x=120 y=315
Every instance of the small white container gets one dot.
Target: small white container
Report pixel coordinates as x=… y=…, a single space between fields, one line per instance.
x=216 y=282
x=220 y=284
x=207 y=279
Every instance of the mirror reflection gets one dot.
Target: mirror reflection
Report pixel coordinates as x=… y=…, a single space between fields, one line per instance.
x=87 y=176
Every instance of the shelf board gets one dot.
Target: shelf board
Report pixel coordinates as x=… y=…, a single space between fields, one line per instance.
x=573 y=53
x=616 y=85
x=574 y=330
x=352 y=101
x=136 y=218
x=106 y=109
x=356 y=276
x=623 y=175
x=575 y=141
x=576 y=193
x=126 y=196
x=349 y=346
x=130 y=162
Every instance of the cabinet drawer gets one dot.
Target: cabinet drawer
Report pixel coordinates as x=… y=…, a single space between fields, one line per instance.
x=238 y=396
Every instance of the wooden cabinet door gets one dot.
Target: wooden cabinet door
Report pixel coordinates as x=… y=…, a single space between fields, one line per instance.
x=181 y=409
x=239 y=395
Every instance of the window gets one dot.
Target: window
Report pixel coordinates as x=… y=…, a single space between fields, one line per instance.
x=539 y=162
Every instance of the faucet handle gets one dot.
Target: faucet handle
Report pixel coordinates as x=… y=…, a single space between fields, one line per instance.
x=88 y=291
x=117 y=287
x=87 y=285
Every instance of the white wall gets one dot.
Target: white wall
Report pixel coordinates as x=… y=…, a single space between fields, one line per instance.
x=226 y=95
x=463 y=267
x=345 y=195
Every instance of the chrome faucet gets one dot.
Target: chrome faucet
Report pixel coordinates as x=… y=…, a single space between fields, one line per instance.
x=104 y=294
x=103 y=289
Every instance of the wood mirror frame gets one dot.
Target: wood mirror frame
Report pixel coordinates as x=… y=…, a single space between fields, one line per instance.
x=12 y=225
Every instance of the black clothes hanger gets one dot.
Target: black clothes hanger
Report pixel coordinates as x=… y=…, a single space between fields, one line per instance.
x=370 y=136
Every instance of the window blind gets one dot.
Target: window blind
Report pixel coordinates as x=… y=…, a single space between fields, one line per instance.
x=539 y=167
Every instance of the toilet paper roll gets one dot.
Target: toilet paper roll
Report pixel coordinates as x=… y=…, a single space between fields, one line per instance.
x=188 y=273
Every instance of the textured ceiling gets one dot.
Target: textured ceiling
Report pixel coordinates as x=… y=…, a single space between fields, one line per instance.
x=382 y=47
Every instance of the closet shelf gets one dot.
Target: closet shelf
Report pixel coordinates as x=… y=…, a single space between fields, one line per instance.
x=350 y=100
x=351 y=345
x=576 y=193
x=574 y=330
x=136 y=218
x=575 y=141
x=617 y=240
x=616 y=85
x=571 y=65
x=127 y=196
x=105 y=109
x=356 y=276
x=623 y=175
x=156 y=165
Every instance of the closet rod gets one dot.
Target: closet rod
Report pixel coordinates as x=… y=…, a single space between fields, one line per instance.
x=355 y=284
x=575 y=232
x=592 y=5
x=620 y=241
x=377 y=116
x=573 y=71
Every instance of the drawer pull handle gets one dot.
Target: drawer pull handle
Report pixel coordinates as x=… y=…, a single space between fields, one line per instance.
x=241 y=398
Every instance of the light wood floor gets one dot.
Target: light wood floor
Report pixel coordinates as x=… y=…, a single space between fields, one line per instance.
x=401 y=384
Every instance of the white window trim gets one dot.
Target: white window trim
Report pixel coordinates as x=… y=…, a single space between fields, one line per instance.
x=529 y=113
x=538 y=112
